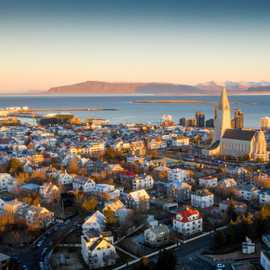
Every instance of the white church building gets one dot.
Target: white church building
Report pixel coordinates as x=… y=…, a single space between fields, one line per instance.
x=245 y=143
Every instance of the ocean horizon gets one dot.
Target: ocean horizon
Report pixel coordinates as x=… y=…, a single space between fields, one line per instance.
x=126 y=110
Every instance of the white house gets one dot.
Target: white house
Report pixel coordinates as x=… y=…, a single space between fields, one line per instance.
x=157 y=235
x=49 y=192
x=89 y=185
x=208 y=182
x=95 y=222
x=7 y=182
x=65 y=179
x=202 y=198
x=106 y=191
x=98 y=252
x=228 y=182
x=248 y=192
x=139 y=199
x=264 y=197
x=177 y=174
x=142 y=182
x=188 y=222
x=180 y=141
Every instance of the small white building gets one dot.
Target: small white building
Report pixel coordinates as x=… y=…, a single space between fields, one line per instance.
x=139 y=199
x=208 y=182
x=98 y=252
x=264 y=197
x=188 y=222
x=248 y=192
x=89 y=185
x=157 y=235
x=228 y=182
x=7 y=182
x=180 y=141
x=248 y=247
x=95 y=222
x=142 y=182
x=49 y=192
x=106 y=191
x=202 y=198
x=177 y=174
x=65 y=179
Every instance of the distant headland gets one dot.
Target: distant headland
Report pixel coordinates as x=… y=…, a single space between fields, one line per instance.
x=161 y=89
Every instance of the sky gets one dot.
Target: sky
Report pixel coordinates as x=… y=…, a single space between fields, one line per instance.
x=58 y=42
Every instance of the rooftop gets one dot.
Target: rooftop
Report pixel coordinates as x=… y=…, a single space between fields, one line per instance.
x=239 y=134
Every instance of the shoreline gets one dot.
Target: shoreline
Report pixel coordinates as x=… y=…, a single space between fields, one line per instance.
x=168 y=101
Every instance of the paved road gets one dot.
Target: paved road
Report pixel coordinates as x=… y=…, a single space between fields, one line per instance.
x=31 y=256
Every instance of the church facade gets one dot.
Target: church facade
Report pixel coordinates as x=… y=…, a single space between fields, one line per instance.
x=242 y=143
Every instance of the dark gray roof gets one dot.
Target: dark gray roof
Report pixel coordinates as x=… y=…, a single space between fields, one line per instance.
x=239 y=134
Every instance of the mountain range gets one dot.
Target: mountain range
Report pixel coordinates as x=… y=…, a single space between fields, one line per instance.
x=153 y=88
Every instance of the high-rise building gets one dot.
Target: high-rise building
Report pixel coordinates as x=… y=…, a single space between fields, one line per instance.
x=209 y=123
x=238 y=120
x=182 y=121
x=200 y=119
x=191 y=122
x=223 y=116
x=265 y=123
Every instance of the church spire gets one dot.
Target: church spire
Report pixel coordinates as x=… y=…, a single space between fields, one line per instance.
x=224 y=100
x=223 y=120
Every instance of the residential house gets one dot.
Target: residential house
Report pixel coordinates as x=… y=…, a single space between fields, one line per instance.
x=264 y=197
x=7 y=182
x=49 y=192
x=139 y=200
x=181 y=191
x=188 y=222
x=180 y=141
x=227 y=183
x=239 y=207
x=156 y=144
x=208 y=182
x=106 y=192
x=157 y=235
x=248 y=192
x=115 y=211
x=178 y=174
x=142 y=182
x=95 y=222
x=98 y=251
x=137 y=148
x=89 y=186
x=202 y=198
x=65 y=179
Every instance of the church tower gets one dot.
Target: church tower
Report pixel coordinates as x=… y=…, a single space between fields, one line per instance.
x=223 y=116
x=260 y=147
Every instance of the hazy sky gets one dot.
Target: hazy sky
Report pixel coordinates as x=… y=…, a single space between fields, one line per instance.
x=45 y=43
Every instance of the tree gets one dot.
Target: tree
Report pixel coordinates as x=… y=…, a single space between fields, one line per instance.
x=90 y=204
x=265 y=212
x=22 y=178
x=73 y=166
x=15 y=166
x=110 y=216
x=144 y=264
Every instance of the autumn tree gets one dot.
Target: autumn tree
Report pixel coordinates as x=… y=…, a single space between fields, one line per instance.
x=15 y=166
x=22 y=178
x=73 y=166
x=90 y=204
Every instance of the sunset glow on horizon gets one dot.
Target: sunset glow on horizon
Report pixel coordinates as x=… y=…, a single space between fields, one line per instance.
x=49 y=44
